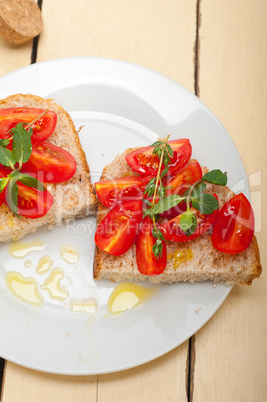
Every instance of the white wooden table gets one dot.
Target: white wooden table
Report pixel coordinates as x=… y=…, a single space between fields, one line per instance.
x=217 y=50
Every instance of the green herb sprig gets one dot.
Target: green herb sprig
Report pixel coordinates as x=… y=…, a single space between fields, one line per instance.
x=156 y=189
x=21 y=152
x=195 y=196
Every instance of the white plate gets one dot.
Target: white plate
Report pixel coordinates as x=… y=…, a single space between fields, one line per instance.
x=120 y=105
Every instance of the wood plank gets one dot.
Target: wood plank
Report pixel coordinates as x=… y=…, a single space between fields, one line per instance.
x=14 y=57
x=27 y=385
x=231 y=350
x=158 y=35
x=160 y=380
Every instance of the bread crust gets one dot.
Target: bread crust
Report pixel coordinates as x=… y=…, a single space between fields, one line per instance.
x=74 y=198
x=193 y=261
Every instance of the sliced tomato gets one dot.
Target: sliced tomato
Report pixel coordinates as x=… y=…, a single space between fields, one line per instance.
x=116 y=233
x=183 y=179
x=123 y=188
x=49 y=163
x=33 y=203
x=147 y=263
x=179 y=183
x=234 y=228
x=144 y=162
x=4 y=172
x=171 y=229
x=42 y=128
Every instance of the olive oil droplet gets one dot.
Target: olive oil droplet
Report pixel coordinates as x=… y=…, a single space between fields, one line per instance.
x=44 y=265
x=127 y=296
x=70 y=254
x=84 y=306
x=24 y=288
x=21 y=249
x=52 y=285
x=180 y=256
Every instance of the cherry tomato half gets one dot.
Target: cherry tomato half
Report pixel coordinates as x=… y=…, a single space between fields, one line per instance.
x=184 y=178
x=144 y=162
x=33 y=203
x=147 y=263
x=116 y=233
x=42 y=128
x=49 y=163
x=234 y=228
x=171 y=229
x=179 y=183
x=123 y=188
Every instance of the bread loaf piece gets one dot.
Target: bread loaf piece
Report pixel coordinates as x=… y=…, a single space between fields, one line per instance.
x=192 y=261
x=74 y=198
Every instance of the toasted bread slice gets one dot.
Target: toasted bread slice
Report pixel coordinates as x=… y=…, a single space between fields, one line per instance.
x=74 y=198
x=192 y=261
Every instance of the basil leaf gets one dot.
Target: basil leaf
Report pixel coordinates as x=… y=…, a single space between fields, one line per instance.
x=199 y=189
x=12 y=196
x=147 y=202
x=193 y=227
x=205 y=203
x=215 y=176
x=7 y=158
x=4 y=142
x=186 y=221
x=170 y=150
x=157 y=234
x=13 y=175
x=147 y=212
x=150 y=188
x=3 y=183
x=156 y=144
x=161 y=191
x=164 y=171
x=166 y=158
x=22 y=145
x=152 y=182
x=30 y=181
x=30 y=132
x=166 y=203
x=157 y=248
x=157 y=151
